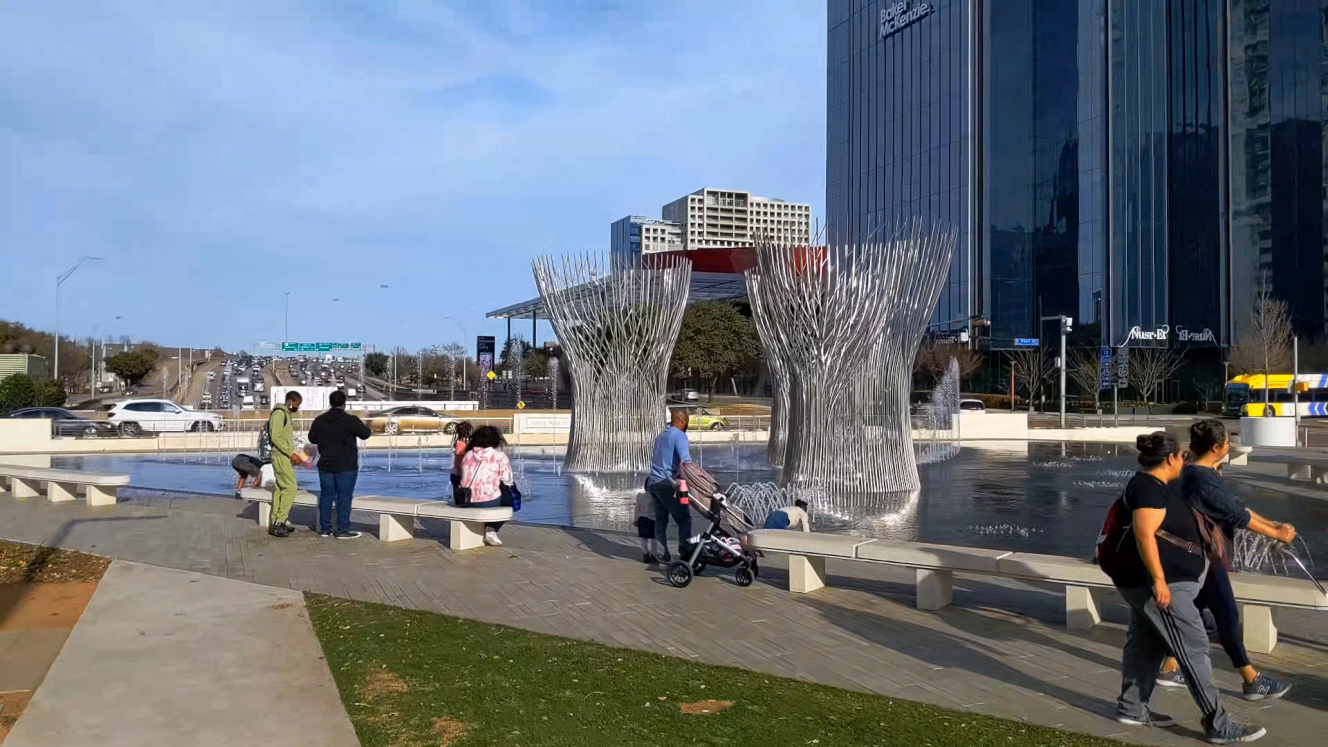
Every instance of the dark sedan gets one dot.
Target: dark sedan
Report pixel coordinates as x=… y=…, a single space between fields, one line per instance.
x=66 y=423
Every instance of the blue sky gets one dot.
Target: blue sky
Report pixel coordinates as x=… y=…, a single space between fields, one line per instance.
x=220 y=153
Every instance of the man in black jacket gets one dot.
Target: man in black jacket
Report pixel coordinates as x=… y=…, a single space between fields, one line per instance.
x=335 y=433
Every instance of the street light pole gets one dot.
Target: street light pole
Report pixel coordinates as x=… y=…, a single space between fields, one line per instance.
x=1066 y=324
x=285 y=335
x=59 y=281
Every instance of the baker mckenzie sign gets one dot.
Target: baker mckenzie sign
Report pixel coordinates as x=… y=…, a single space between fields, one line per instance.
x=897 y=17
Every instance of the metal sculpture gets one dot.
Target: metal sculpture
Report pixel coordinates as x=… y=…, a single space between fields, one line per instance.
x=845 y=323
x=617 y=323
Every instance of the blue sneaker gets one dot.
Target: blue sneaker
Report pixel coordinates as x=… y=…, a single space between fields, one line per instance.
x=1235 y=733
x=1264 y=686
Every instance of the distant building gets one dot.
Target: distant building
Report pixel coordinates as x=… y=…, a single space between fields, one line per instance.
x=637 y=234
x=724 y=219
x=23 y=363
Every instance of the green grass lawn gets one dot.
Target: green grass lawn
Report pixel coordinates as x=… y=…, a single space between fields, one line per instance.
x=417 y=679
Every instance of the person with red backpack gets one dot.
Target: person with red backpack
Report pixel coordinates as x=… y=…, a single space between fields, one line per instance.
x=1157 y=549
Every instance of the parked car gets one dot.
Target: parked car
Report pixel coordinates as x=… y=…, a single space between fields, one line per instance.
x=66 y=423
x=685 y=395
x=409 y=418
x=972 y=405
x=705 y=420
x=137 y=416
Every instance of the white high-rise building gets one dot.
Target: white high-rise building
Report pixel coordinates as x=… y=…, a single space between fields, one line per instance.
x=722 y=219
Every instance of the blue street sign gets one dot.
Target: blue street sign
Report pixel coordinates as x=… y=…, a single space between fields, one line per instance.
x=1104 y=370
x=1026 y=342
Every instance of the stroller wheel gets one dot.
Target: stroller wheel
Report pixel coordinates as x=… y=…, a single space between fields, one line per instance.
x=698 y=567
x=680 y=573
x=743 y=576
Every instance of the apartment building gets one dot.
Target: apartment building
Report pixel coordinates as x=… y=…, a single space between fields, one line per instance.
x=723 y=219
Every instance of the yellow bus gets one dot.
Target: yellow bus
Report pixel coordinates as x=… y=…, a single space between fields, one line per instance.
x=1244 y=395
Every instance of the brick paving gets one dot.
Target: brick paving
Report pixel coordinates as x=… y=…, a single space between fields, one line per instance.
x=1001 y=650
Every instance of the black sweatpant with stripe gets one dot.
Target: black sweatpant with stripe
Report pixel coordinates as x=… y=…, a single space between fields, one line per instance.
x=1178 y=630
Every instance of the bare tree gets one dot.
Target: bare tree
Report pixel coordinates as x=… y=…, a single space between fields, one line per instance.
x=1266 y=346
x=454 y=354
x=1085 y=368
x=933 y=359
x=1150 y=369
x=1207 y=388
x=1030 y=370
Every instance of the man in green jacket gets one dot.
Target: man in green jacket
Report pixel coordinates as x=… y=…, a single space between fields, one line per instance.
x=284 y=458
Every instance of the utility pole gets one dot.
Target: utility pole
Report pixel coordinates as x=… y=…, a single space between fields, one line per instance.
x=1295 y=383
x=285 y=335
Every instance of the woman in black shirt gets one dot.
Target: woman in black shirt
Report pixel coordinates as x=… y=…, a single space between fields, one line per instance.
x=1159 y=575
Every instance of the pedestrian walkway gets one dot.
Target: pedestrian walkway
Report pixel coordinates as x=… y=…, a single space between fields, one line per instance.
x=168 y=657
x=1002 y=650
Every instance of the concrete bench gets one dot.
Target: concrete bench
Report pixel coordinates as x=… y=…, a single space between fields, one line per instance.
x=935 y=566
x=1307 y=468
x=396 y=516
x=59 y=485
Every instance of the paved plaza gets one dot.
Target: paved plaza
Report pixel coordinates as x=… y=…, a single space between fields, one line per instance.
x=1001 y=650
x=168 y=657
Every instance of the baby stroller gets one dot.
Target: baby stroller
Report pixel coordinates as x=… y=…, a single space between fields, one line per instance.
x=720 y=544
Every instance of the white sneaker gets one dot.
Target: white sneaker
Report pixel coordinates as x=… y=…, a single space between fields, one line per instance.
x=491 y=539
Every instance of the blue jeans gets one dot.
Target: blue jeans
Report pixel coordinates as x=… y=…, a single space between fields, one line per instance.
x=776 y=520
x=335 y=487
x=667 y=504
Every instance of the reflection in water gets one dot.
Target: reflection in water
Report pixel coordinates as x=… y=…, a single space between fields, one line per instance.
x=1028 y=497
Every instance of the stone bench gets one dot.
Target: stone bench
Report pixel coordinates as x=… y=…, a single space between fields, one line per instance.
x=59 y=485
x=1307 y=468
x=396 y=516
x=935 y=566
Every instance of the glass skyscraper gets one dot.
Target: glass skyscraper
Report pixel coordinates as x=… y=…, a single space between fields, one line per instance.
x=1140 y=165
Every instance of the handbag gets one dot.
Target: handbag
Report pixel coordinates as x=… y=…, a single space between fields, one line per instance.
x=510 y=495
x=462 y=494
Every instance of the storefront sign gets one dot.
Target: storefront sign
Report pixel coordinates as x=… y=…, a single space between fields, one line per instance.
x=898 y=16
x=1154 y=335
x=1206 y=335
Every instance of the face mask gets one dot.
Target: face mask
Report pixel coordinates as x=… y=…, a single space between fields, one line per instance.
x=294 y=408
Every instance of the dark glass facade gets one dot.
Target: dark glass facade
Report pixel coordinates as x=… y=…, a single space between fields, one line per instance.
x=898 y=129
x=1278 y=68
x=1140 y=165
x=1043 y=141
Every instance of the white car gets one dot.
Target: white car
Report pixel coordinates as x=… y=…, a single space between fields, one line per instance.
x=137 y=416
x=972 y=405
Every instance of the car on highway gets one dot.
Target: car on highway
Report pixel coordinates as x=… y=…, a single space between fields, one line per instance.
x=408 y=419
x=66 y=423
x=135 y=417
x=703 y=419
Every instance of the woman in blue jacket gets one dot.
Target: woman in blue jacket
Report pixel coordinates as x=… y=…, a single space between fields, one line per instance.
x=1204 y=489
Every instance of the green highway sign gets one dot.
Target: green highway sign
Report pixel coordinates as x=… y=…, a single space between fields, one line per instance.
x=318 y=347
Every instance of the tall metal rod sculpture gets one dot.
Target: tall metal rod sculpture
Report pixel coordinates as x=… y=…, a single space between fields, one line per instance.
x=617 y=324
x=777 y=445
x=845 y=322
